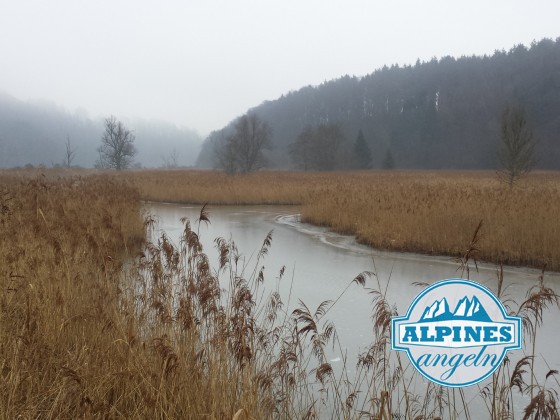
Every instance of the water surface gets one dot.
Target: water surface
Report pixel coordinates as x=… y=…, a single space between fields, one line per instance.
x=320 y=265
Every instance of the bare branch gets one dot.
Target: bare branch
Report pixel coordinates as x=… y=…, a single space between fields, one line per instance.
x=70 y=153
x=117 y=146
x=243 y=150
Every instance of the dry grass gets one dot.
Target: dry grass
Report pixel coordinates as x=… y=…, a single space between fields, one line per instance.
x=97 y=323
x=199 y=187
x=87 y=324
x=427 y=212
x=91 y=325
x=62 y=244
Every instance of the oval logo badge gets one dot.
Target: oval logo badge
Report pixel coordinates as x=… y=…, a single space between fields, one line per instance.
x=456 y=332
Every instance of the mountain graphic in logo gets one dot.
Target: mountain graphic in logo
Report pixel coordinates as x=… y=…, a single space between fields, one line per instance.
x=460 y=345
x=466 y=309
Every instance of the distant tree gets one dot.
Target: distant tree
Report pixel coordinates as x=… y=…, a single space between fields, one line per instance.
x=70 y=154
x=243 y=151
x=362 y=152
x=172 y=160
x=517 y=152
x=224 y=152
x=251 y=138
x=117 y=146
x=330 y=138
x=318 y=149
x=301 y=150
x=388 y=161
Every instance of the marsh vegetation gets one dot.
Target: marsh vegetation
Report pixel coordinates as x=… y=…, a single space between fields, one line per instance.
x=99 y=320
x=418 y=211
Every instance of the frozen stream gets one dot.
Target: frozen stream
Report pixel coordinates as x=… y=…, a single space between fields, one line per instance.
x=322 y=264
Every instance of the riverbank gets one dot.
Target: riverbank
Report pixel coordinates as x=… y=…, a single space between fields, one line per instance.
x=431 y=212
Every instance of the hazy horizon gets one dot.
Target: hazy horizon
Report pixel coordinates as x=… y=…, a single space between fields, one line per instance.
x=201 y=65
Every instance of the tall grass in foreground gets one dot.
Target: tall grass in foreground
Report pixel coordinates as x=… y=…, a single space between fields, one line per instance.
x=418 y=211
x=62 y=247
x=96 y=323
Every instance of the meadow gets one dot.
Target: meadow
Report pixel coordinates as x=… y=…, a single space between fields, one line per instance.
x=101 y=318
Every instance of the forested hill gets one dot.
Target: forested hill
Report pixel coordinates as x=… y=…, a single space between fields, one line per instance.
x=36 y=134
x=438 y=114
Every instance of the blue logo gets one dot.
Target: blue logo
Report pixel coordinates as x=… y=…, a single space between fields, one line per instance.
x=456 y=333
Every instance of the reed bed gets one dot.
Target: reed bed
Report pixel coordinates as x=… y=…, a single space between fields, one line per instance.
x=99 y=319
x=415 y=211
x=214 y=187
x=63 y=241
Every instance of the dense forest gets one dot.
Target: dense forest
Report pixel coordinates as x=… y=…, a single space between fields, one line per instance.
x=37 y=133
x=443 y=113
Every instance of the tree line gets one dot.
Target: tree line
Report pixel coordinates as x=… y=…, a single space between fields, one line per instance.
x=441 y=114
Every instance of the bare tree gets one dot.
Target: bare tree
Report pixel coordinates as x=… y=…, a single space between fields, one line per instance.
x=517 y=154
x=117 y=146
x=224 y=152
x=252 y=136
x=70 y=153
x=171 y=161
x=243 y=151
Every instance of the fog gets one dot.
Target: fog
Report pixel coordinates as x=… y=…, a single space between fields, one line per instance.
x=201 y=64
x=36 y=134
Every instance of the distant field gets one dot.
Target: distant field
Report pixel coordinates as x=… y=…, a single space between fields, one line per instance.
x=419 y=211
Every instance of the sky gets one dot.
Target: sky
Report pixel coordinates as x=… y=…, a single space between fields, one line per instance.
x=200 y=64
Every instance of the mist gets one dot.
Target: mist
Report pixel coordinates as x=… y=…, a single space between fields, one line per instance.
x=36 y=133
x=202 y=64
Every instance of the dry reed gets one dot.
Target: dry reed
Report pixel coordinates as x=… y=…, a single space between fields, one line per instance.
x=97 y=323
x=416 y=211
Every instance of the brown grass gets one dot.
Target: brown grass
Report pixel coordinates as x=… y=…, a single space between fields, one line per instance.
x=62 y=244
x=426 y=212
x=97 y=323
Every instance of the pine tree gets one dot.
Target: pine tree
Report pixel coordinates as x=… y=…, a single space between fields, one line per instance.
x=388 y=161
x=362 y=152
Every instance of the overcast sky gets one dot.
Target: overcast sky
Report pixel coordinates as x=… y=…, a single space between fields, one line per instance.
x=202 y=63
